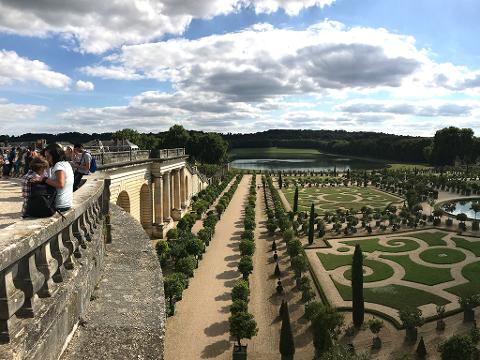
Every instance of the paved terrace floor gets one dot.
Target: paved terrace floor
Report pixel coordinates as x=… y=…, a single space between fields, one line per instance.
x=10 y=202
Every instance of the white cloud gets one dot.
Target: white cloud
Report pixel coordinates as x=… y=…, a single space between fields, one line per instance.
x=12 y=115
x=262 y=62
x=81 y=85
x=97 y=26
x=15 y=68
x=423 y=108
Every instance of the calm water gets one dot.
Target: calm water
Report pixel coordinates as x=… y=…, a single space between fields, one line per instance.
x=322 y=163
x=464 y=207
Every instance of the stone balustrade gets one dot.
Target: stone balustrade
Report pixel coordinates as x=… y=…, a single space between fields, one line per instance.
x=48 y=270
x=106 y=158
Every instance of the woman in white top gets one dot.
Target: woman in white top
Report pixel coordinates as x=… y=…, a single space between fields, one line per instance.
x=61 y=176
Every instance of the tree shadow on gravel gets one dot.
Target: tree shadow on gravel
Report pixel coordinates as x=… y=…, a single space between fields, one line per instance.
x=216 y=349
x=303 y=339
x=232 y=257
x=224 y=297
x=229 y=274
x=230 y=283
x=217 y=329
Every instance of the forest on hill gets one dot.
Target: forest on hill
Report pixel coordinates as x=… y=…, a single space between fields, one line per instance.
x=366 y=144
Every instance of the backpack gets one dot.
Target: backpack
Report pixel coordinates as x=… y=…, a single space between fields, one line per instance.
x=93 y=165
x=41 y=202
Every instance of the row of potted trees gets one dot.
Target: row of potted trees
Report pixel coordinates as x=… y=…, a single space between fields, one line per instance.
x=182 y=251
x=242 y=323
x=206 y=197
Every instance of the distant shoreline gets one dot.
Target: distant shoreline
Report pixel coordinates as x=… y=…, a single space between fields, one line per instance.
x=294 y=153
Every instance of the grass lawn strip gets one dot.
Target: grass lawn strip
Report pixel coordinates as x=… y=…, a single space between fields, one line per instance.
x=370 y=245
x=473 y=246
x=471 y=273
x=431 y=238
x=394 y=296
x=419 y=273
x=381 y=271
x=442 y=256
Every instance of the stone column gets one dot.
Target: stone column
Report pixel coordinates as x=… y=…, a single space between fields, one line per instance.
x=167 y=208
x=183 y=190
x=158 y=206
x=176 y=189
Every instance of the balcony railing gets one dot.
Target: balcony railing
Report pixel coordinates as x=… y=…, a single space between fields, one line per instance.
x=47 y=265
x=106 y=158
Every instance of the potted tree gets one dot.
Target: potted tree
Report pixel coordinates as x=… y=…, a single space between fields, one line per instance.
x=299 y=265
x=245 y=266
x=467 y=303
x=173 y=287
x=411 y=318
x=440 y=314
x=242 y=326
x=375 y=325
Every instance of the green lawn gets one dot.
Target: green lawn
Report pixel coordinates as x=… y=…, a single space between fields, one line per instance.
x=332 y=261
x=370 y=245
x=394 y=296
x=273 y=152
x=473 y=246
x=431 y=238
x=399 y=166
x=471 y=273
x=381 y=271
x=442 y=256
x=332 y=198
x=419 y=273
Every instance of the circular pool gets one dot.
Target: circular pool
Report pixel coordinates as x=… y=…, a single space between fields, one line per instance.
x=461 y=206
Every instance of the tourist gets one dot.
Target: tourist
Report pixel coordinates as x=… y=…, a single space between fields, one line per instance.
x=29 y=154
x=69 y=154
x=60 y=176
x=81 y=164
x=37 y=171
x=6 y=165
x=18 y=162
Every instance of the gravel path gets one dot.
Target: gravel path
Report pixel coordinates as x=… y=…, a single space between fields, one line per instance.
x=10 y=202
x=199 y=329
x=264 y=301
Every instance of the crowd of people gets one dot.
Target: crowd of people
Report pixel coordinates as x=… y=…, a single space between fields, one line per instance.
x=49 y=176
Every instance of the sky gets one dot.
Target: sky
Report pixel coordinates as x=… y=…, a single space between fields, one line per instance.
x=406 y=67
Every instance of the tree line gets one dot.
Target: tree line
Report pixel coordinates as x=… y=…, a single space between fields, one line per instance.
x=449 y=146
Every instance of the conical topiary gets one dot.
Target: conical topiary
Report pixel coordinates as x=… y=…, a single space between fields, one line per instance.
x=287 y=346
x=277 y=270
x=274 y=246
x=282 y=308
x=275 y=256
x=421 y=349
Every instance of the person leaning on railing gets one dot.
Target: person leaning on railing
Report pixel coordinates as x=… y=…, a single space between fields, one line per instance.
x=60 y=176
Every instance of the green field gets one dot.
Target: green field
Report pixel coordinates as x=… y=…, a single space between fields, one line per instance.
x=274 y=153
x=431 y=238
x=419 y=273
x=473 y=246
x=394 y=296
x=442 y=256
x=397 y=245
x=332 y=198
x=472 y=287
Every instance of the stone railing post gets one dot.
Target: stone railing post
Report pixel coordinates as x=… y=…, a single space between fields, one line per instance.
x=106 y=210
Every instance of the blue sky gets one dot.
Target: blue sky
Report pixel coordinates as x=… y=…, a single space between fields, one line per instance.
x=404 y=67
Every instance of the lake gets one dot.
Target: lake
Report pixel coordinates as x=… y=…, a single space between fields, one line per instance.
x=321 y=163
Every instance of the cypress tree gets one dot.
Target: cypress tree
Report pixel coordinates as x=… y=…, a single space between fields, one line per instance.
x=287 y=346
x=280 y=179
x=357 y=287
x=311 y=224
x=295 y=200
